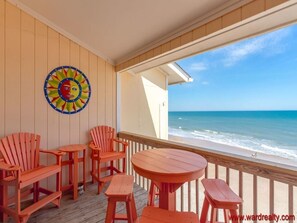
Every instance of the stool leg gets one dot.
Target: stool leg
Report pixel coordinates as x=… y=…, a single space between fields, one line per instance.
x=110 y=212
x=131 y=209
x=134 y=213
x=226 y=215
x=213 y=215
x=234 y=214
x=204 y=211
x=151 y=195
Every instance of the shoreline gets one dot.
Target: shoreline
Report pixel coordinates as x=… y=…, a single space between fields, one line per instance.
x=232 y=150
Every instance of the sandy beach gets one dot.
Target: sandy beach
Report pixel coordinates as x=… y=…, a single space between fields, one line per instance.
x=280 y=189
x=233 y=150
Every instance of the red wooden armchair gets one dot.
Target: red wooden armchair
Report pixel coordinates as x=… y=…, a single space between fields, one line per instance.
x=21 y=168
x=104 y=151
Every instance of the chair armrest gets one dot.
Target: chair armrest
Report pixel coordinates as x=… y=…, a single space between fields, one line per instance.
x=53 y=152
x=93 y=147
x=57 y=153
x=125 y=145
x=8 y=167
x=120 y=141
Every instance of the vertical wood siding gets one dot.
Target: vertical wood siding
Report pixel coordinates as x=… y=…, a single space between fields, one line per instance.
x=29 y=50
x=2 y=68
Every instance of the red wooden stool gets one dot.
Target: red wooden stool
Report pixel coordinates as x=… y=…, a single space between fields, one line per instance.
x=155 y=215
x=121 y=190
x=219 y=195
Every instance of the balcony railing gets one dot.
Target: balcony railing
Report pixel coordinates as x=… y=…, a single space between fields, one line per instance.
x=267 y=188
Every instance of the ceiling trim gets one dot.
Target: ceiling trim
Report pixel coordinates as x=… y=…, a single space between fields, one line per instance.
x=211 y=15
x=283 y=16
x=242 y=15
x=57 y=28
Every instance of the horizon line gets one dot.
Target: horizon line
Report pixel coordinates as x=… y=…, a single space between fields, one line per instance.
x=230 y=110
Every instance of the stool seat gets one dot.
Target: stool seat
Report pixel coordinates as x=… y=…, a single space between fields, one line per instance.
x=220 y=193
x=158 y=215
x=120 y=185
x=120 y=189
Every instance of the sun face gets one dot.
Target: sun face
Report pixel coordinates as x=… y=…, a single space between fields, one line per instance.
x=67 y=89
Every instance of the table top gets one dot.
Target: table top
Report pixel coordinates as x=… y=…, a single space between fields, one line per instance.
x=73 y=148
x=169 y=165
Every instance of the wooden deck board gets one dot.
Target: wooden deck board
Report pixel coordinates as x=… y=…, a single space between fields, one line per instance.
x=89 y=207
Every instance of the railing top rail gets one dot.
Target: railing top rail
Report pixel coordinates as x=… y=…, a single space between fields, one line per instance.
x=275 y=171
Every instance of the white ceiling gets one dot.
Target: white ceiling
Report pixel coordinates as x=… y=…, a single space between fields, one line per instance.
x=116 y=29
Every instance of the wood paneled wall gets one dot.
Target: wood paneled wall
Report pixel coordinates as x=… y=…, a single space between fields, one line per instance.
x=29 y=50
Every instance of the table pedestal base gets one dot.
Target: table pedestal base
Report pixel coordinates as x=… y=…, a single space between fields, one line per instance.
x=72 y=163
x=167 y=198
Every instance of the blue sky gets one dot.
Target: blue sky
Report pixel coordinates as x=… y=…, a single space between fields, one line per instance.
x=255 y=74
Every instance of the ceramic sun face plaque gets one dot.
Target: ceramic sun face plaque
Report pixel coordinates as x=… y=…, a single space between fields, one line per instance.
x=67 y=89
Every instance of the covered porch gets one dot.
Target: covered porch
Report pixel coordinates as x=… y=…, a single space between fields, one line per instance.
x=33 y=42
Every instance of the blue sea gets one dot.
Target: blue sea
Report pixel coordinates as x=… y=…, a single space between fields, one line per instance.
x=270 y=132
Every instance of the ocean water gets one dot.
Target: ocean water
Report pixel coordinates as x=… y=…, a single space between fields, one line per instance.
x=270 y=132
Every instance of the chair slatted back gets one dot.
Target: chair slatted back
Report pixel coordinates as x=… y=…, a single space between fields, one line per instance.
x=102 y=137
x=21 y=149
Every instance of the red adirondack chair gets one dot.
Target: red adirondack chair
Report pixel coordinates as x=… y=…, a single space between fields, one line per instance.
x=104 y=151
x=21 y=167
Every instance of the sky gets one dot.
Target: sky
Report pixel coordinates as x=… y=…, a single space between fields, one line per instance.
x=259 y=73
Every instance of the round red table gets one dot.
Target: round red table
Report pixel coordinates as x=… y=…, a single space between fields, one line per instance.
x=73 y=152
x=169 y=169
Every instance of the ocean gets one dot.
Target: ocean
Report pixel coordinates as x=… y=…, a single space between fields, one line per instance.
x=269 y=132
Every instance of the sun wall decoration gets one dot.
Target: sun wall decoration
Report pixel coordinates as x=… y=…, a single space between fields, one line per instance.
x=67 y=89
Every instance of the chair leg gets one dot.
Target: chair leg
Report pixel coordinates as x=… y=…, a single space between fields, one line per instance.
x=18 y=202
x=98 y=175
x=57 y=201
x=23 y=219
x=5 y=202
x=58 y=188
x=124 y=165
x=204 y=211
x=111 y=167
x=36 y=192
x=58 y=181
x=93 y=170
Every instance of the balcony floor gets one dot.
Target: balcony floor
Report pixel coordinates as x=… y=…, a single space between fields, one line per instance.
x=89 y=207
